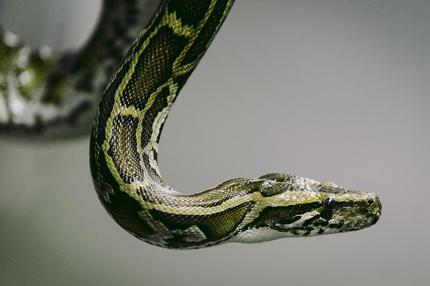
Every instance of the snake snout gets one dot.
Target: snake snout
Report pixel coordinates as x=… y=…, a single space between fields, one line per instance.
x=351 y=210
x=375 y=209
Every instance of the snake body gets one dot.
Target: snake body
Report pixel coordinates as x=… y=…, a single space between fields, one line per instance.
x=124 y=148
x=44 y=95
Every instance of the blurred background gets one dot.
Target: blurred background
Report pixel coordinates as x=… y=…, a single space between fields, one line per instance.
x=332 y=90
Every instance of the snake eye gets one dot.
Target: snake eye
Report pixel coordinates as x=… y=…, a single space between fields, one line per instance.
x=329 y=202
x=327 y=209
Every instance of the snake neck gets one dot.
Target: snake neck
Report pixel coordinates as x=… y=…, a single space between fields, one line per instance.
x=135 y=106
x=45 y=95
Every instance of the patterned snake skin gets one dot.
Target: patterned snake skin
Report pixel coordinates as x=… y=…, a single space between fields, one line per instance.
x=47 y=96
x=124 y=148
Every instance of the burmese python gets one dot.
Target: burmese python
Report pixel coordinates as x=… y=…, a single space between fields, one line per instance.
x=124 y=148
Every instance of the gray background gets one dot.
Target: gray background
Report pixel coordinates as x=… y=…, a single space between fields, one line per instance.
x=333 y=90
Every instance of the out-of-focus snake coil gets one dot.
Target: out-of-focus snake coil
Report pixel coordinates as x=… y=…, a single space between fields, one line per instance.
x=45 y=95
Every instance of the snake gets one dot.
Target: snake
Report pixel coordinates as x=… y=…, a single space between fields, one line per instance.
x=46 y=95
x=132 y=110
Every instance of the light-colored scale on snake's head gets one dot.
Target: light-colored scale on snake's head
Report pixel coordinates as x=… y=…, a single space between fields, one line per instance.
x=124 y=148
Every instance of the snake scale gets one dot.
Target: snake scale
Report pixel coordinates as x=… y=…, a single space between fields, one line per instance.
x=124 y=150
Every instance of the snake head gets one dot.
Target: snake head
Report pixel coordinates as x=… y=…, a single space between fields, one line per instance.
x=297 y=206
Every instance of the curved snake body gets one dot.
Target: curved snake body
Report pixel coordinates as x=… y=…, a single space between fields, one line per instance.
x=45 y=95
x=124 y=148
